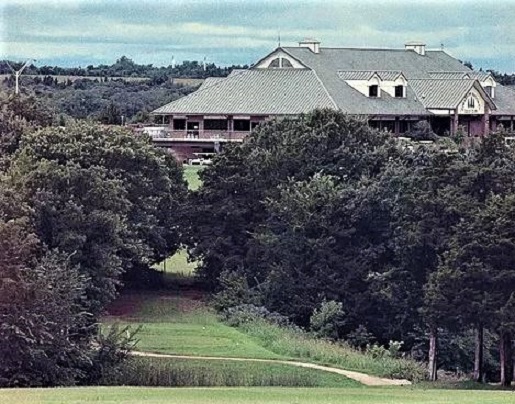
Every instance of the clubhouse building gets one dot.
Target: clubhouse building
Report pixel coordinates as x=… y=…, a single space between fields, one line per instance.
x=393 y=88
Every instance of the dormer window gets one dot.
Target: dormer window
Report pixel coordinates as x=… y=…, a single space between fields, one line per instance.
x=275 y=64
x=399 y=91
x=373 y=91
x=280 y=63
x=489 y=91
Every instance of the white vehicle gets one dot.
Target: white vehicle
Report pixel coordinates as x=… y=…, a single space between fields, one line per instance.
x=199 y=161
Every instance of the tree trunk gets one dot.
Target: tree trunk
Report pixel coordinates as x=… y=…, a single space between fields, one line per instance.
x=506 y=359
x=478 y=355
x=432 y=356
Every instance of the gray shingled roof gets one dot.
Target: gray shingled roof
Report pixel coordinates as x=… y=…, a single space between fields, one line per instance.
x=410 y=63
x=442 y=93
x=504 y=100
x=459 y=75
x=260 y=91
x=388 y=75
x=209 y=81
x=322 y=84
x=330 y=61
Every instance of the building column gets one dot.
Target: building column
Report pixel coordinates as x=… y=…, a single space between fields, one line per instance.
x=454 y=122
x=511 y=124
x=230 y=126
x=486 y=121
x=396 y=129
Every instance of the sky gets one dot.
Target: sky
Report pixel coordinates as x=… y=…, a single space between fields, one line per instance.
x=84 y=32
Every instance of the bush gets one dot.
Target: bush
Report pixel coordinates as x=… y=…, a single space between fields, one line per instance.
x=247 y=313
x=326 y=321
x=235 y=291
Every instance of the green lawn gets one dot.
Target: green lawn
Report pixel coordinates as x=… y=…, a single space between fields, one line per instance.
x=178 y=325
x=268 y=395
x=191 y=176
x=177 y=265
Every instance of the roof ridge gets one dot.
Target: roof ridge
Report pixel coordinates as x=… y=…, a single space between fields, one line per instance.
x=325 y=89
x=442 y=79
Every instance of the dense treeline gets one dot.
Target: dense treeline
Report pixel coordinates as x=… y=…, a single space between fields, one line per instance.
x=108 y=101
x=125 y=67
x=81 y=208
x=333 y=224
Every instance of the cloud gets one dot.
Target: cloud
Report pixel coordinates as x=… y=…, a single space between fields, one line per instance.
x=241 y=31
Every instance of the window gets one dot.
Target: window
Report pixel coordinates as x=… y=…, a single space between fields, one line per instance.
x=286 y=63
x=242 y=125
x=471 y=103
x=373 y=91
x=275 y=64
x=399 y=91
x=404 y=126
x=489 y=91
x=388 y=126
x=179 y=124
x=215 y=124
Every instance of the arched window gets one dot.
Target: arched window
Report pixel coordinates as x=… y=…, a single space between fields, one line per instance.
x=274 y=64
x=287 y=63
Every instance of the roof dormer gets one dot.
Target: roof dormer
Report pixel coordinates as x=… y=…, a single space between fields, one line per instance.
x=489 y=85
x=279 y=59
x=374 y=86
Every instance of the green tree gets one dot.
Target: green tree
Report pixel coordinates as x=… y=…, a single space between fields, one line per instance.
x=229 y=209
x=105 y=197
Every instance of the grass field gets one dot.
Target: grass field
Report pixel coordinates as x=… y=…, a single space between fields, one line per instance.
x=191 y=176
x=180 y=325
x=268 y=395
x=176 y=372
x=177 y=265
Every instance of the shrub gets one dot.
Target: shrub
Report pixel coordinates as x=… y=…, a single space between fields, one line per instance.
x=247 y=313
x=326 y=321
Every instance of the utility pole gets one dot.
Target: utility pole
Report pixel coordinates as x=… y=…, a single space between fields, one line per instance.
x=17 y=74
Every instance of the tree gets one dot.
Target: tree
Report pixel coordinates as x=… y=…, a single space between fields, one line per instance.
x=229 y=209
x=106 y=198
x=40 y=313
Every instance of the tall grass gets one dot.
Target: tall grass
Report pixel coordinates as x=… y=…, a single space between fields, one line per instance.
x=295 y=343
x=201 y=373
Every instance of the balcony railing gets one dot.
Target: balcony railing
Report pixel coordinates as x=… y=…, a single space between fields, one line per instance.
x=165 y=133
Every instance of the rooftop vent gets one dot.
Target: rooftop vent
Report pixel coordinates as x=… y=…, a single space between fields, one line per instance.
x=312 y=44
x=416 y=46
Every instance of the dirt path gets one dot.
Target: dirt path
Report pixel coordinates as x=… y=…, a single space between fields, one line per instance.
x=363 y=378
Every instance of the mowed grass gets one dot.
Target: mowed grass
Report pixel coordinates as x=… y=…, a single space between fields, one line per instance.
x=178 y=265
x=191 y=176
x=179 y=325
x=258 y=395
